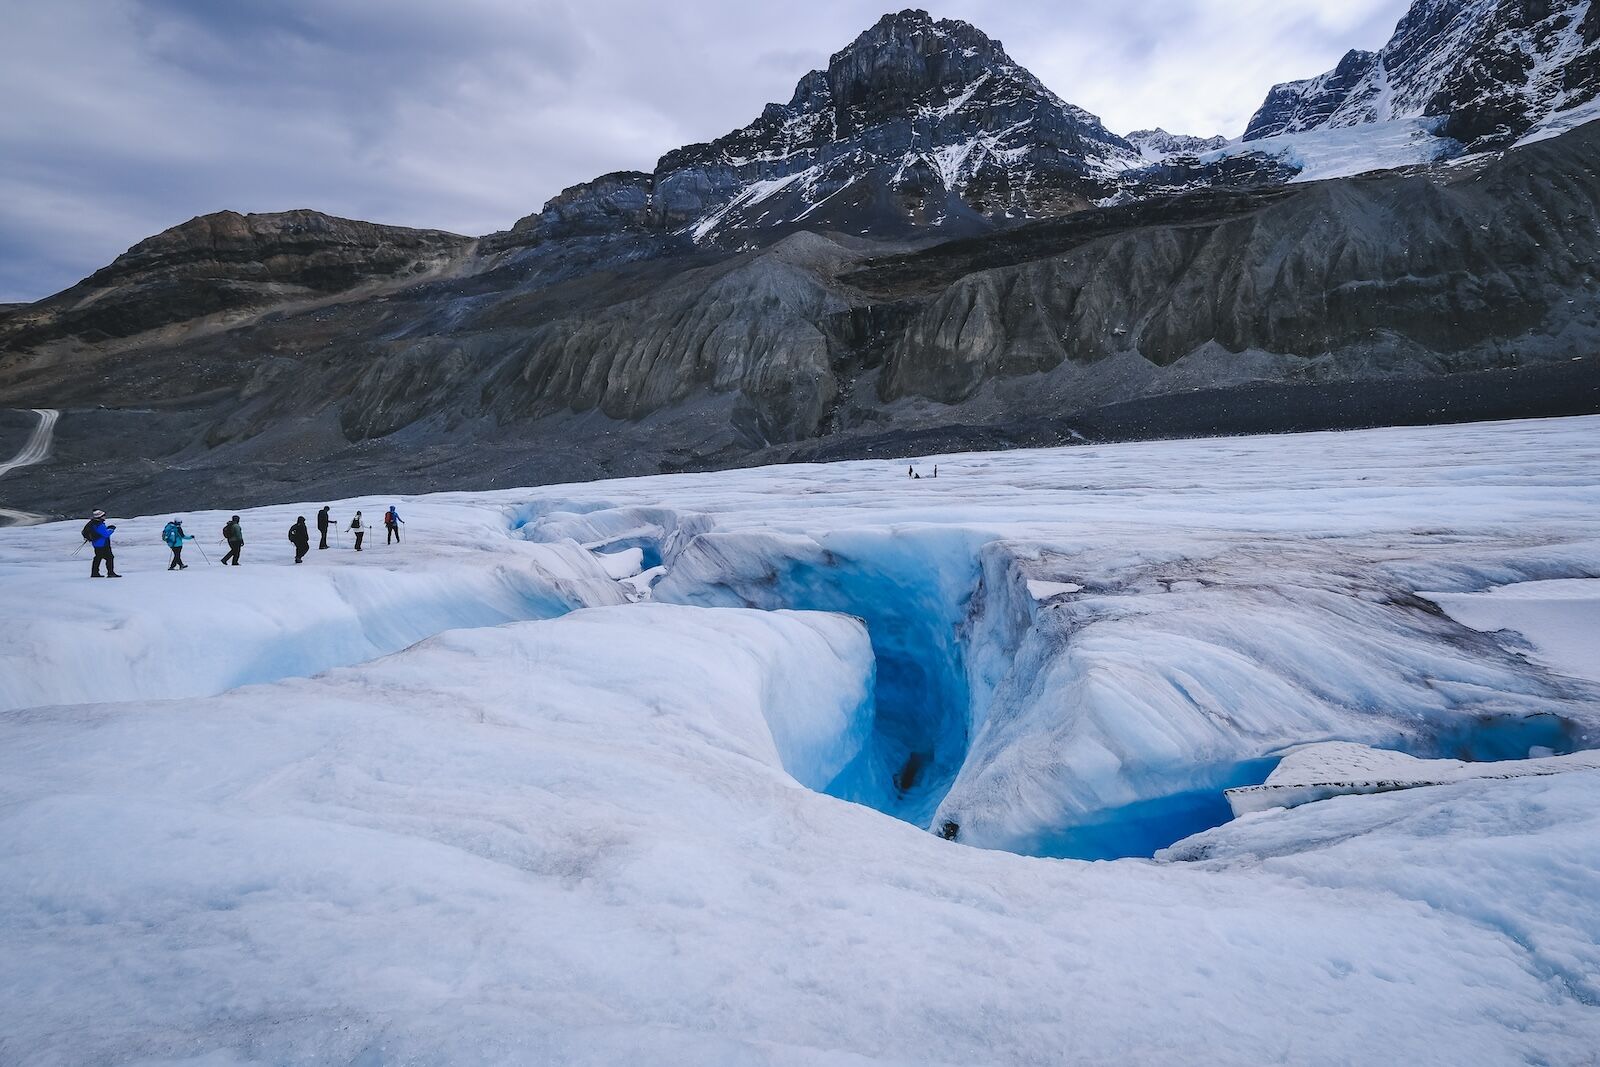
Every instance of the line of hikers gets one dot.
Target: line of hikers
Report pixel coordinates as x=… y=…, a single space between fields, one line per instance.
x=97 y=532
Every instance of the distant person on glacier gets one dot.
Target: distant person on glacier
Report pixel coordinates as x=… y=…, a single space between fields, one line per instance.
x=357 y=528
x=233 y=533
x=174 y=536
x=300 y=538
x=98 y=533
x=323 y=522
x=392 y=522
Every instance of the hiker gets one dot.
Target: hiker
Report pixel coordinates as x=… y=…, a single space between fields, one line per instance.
x=300 y=538
x=323 y=522
x=936 y=470
x=392 y=522
x=911 y=472
x=233 y=533
x=358 y=529
x=174 y=536
x=98 y=533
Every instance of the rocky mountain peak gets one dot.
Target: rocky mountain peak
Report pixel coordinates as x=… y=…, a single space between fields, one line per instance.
x=919 y=123
x=1481 y=72
x=909 y=55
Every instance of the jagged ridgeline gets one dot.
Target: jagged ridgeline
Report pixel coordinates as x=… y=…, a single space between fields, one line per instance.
x=1485 y=71
x=918 y=124
x=924 y=248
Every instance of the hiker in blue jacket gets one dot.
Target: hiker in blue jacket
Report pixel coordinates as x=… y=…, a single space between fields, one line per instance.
x=174 y=536
x=98 y=533
x=392 y=522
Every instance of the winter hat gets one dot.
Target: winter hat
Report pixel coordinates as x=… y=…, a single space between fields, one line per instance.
x=97 y=514
x=234 y=519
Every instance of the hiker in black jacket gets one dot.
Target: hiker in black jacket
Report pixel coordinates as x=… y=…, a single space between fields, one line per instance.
x=323 y=522
x=300 y=537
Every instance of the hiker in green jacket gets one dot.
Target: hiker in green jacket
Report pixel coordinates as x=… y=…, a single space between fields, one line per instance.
x=233 y=533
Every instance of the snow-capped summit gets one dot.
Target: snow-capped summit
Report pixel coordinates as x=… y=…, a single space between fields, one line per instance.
x=1485 y=71
x=1157 y=144
x=918 y=123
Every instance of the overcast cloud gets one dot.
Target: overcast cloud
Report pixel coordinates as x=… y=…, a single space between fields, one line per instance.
x=124 y=117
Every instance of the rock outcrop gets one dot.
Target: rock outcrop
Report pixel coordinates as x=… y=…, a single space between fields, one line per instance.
x=229 y=263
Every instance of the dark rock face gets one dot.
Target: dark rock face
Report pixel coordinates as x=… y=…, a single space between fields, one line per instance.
x=1488 y=70
x=1294 y=107
x=228 y=262
x=918 y=125
x=1182 y=172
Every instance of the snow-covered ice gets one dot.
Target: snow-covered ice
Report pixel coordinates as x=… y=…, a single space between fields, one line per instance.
x=1559 y=619
x=1343 y=152
x=208 y=629
x=1338 y=768
x=246 y=817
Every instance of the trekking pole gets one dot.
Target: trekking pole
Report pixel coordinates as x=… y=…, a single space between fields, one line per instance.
x=76 y=551
x=203 y=555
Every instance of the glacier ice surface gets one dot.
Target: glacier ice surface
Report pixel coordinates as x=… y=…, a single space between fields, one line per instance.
x=247 y=818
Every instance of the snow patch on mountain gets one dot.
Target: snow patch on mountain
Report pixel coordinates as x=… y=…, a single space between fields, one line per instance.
x=1560 y=122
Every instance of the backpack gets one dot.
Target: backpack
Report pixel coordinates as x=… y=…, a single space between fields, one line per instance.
x=169 y=534
x=88 y=530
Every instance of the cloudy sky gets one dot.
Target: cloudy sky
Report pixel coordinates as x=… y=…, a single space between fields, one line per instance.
x=124 y=117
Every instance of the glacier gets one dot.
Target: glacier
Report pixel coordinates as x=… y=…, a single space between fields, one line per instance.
x=823 y=764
